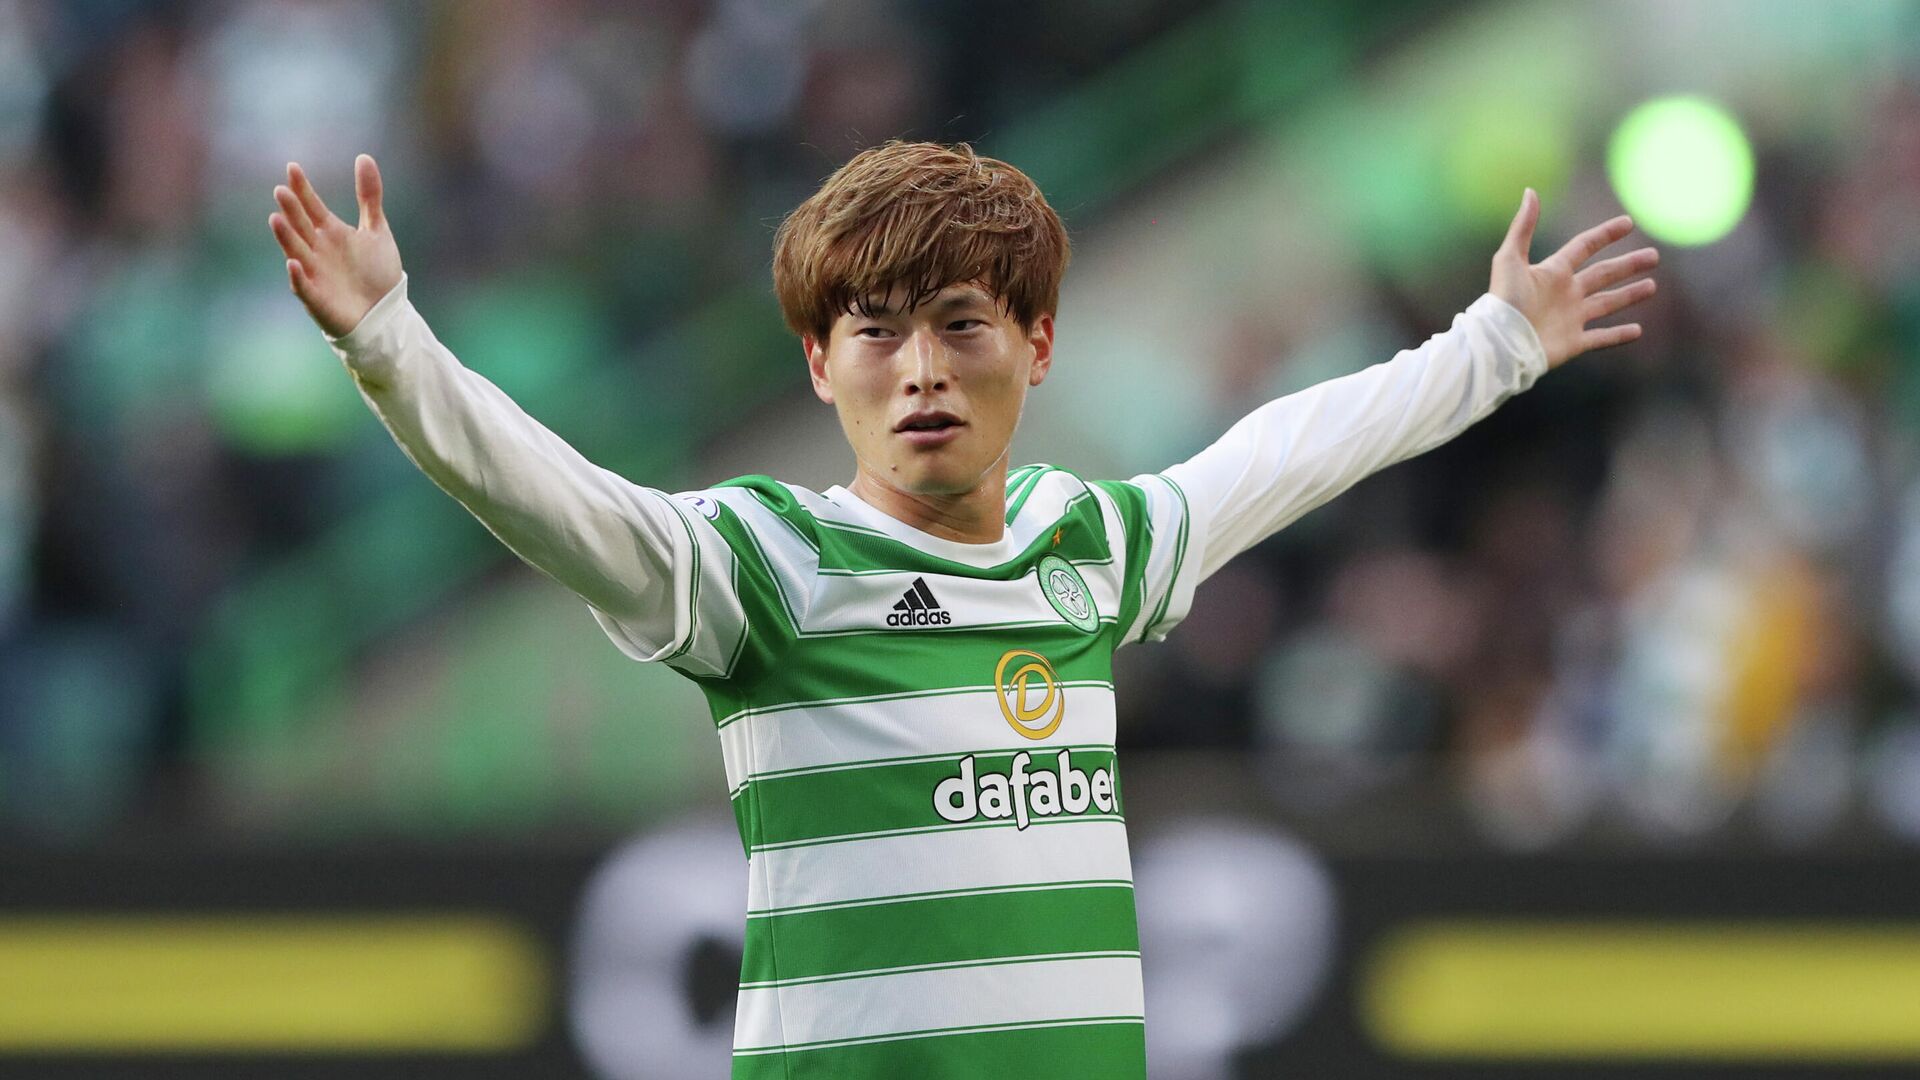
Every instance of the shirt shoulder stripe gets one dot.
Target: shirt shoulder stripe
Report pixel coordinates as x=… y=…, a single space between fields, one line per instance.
x=1179 y=556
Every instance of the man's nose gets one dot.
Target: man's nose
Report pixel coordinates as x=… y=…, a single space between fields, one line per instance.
x=926 y=363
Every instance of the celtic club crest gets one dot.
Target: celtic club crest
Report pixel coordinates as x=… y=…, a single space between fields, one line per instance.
x=1067 y=591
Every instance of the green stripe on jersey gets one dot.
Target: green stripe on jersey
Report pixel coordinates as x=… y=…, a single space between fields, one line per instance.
x=909 y=662
x=1075 y=918
x=1111 y=1048
x=844 y=547
x=1017 y=495
x=771 y=624
x=1179 y=557
x=887 y=798
x=1132 y=504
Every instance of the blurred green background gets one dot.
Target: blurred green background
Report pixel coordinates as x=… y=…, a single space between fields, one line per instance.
x=1669 y=593
x=1665 y=605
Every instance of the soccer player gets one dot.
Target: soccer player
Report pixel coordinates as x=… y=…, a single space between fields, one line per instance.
x=911 y=675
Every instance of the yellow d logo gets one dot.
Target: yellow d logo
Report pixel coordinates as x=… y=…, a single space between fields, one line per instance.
x=1029 y=719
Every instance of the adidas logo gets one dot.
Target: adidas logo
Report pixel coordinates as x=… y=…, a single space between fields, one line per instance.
x=919 y=608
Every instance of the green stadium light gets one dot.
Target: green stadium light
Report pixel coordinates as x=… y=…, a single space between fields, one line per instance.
x=1683 y=168
x=273 y=388
x=1495 y=147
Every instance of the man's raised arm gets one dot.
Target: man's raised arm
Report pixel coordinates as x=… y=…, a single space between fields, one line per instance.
x=1293 y=454
x=620 y=546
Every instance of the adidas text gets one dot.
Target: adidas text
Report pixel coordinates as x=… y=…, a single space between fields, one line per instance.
x=920 y=618
x=919 y=608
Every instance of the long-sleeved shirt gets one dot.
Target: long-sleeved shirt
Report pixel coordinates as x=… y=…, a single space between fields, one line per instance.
x=919 y=733
x=617 y=545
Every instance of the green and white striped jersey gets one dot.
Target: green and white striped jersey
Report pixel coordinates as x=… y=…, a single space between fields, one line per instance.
x=919 y=742
x=919 y=733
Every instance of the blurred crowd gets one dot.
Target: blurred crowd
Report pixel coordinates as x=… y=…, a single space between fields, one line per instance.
x=1672 y=589
x=170 y=423
x=1671 y=593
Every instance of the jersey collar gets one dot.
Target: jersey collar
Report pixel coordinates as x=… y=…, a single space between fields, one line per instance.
x=854 y=510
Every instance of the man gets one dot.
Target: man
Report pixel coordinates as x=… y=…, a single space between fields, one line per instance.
x=911 y=675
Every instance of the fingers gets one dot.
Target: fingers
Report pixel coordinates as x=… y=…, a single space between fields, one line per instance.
x=309 y=198
x=1520 y=234
x=302 y=283
x=1619 y=268
x=296 y=214
x=291 y=242
x=1583 y=247
x=1605 y=336
x=1601 y=305
x=366 y=188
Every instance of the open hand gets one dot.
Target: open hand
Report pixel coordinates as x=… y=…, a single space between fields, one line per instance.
x=1558 y=297
x=337 y=270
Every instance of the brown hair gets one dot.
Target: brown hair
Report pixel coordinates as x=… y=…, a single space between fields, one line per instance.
x=923 y=216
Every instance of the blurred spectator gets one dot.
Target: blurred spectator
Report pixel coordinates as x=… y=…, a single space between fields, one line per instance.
x=1673 y=591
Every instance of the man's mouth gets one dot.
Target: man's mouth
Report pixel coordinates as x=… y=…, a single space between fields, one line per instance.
x=930 y=420
x=929 y=427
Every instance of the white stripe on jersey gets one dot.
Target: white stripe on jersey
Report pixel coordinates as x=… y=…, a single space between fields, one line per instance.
x=901 y=725
x=984 y=858
x=918 y=1001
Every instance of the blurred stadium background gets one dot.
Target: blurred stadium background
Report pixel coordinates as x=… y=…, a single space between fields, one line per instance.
x=1586 y=745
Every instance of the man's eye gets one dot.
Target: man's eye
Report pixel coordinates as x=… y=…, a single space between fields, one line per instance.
x=872 y=331
x=965 y=324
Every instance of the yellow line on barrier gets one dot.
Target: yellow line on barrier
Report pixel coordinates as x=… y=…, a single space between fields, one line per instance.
x=269 y=984
x=1600 y=990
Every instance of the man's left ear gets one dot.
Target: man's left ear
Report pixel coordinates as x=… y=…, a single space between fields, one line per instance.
x=816 y=352
x=1040 y=336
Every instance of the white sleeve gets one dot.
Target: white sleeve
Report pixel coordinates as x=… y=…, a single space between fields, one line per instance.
x=1295 y=453
x=656 y=576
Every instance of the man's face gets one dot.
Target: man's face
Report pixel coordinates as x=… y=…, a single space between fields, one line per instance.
x=929 y=398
